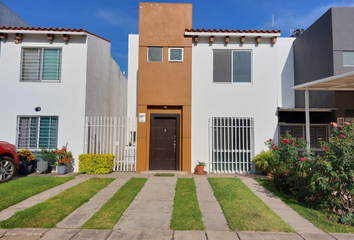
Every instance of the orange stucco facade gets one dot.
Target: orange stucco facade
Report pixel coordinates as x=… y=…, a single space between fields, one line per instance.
x=164 y=83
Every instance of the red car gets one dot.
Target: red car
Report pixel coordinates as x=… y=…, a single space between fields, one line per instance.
x=8 y=161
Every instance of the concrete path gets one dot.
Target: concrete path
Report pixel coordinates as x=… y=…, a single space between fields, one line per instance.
x=41 y=197
x=81 y=215
x=301 y=225
x=86 y=234
x=152 y=207
x=213 y=216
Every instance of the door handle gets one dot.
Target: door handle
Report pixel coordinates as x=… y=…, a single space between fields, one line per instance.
x=174 y=146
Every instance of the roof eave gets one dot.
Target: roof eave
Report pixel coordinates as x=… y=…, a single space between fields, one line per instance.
x=216 y=34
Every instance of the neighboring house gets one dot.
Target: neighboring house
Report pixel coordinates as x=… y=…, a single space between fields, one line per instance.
x=325 y=49
x=51 y=78
x=9 y=18
x=206 y=95
x=217 y=95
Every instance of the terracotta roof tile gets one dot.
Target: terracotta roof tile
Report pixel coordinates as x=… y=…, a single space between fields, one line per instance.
x=230 y=31
x=51 y=30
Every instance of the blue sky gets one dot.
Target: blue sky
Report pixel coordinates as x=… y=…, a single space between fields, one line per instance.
x=115 y=19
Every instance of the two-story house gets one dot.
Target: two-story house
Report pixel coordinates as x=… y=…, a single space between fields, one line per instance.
x=204 y=95
x=50 y=79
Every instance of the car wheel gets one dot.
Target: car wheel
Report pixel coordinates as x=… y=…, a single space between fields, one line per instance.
x=7 y=169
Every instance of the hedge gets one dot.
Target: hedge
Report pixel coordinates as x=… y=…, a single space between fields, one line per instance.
x=96 y=163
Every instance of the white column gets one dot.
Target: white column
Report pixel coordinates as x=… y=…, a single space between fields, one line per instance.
x=307 y=114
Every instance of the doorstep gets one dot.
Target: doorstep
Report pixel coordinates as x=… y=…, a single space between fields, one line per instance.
x=164 y=172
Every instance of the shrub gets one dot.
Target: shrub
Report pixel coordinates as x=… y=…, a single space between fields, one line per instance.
x=96 y=163
x=264 y=161
x=337 y=165
x=293 y=167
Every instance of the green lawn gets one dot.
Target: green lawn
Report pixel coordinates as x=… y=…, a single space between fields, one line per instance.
x=243 y=210
x=318 y=218
x=113 y=209
x=15 y=191
x=186 y=213
x=164 y=175
x=48 y=213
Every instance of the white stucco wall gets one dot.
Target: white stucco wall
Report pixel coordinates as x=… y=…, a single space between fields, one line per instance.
x=65 y=99
x=106 y=85
x=285 y=68
x=133 y=65
x=258 y=99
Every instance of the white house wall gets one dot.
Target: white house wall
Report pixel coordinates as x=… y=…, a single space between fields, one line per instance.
x=65 y=99
x=133 y=65
x=285 y=55
x=258 y=99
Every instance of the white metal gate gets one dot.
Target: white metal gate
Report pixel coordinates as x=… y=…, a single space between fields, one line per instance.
x=231 y=144
x=115 y=135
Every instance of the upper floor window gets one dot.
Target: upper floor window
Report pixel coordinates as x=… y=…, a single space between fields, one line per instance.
x=232 y=66
x=175 y=54
x=348 y=58
x=41 y=64
x=155 y=54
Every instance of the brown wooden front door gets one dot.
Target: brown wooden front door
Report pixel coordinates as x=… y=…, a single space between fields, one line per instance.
x=164 y=142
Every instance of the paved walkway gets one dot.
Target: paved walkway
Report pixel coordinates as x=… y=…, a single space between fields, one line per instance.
x=213 y=216
x=86 y=234
x=301 y=225
x=81 y=215
x=152 y=207
x=41 y=197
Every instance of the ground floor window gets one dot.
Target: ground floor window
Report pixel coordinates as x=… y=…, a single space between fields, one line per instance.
x=231 y=144
x=318 y=132
x=33 y=132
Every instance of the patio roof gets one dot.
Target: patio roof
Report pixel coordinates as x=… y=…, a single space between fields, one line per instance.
x=341 y=82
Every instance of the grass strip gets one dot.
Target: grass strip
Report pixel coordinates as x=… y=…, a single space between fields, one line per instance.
x=243 y=210
x=186 y=212
x=113 y=209
x=15 y=191
x=319 y=219
x=55 y=209
x=164 y=175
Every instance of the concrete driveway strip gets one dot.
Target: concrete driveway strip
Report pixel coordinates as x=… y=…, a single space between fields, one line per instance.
x=152 y=207
x=213 y=216
x=268 y=236
x=131 y=234
x=81 y=215
x=343 y=236
x=301 y=225
x=41 y=197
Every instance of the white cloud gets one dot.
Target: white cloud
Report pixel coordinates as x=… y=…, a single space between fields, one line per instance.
x=118 y=18
x=294 y=19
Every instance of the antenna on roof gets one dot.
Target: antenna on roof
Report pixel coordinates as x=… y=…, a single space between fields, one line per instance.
x=273 y=22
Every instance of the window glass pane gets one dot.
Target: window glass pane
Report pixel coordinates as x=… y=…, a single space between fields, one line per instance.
x=241 y=66
x=155 y=54
x=222 y=66
x=176 y=54
x=27 y=132
x=31 y=64
x=48 y=132
x=51 y=64
x=348 y=58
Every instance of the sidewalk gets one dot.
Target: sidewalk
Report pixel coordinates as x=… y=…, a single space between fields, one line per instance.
x=85 y=234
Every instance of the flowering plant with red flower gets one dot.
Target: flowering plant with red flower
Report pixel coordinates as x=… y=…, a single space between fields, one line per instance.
x=63 y=156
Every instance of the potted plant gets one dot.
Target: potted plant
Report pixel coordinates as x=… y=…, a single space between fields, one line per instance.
x=200 y=167
x=25 y=157
x=263 y=161
x=47 y=155
x=63 y=157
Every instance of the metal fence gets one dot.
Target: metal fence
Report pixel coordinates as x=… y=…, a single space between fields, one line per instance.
x=115 y=135
x=231 y=144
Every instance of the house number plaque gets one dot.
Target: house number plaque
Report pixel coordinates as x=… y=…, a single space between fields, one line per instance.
x=142 y=117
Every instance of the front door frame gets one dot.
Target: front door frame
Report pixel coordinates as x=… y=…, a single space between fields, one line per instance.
x=167 y=115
